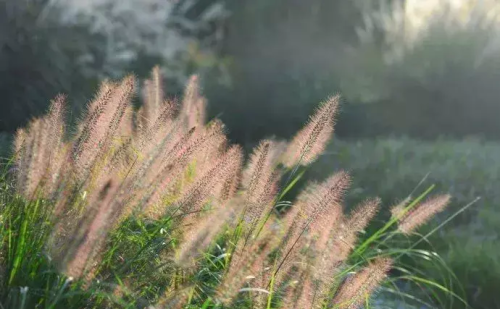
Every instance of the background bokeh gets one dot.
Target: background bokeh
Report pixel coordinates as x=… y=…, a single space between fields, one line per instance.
x=419 y=79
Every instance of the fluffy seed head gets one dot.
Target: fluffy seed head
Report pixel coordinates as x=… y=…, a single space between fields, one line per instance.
x=398 y=209
x=362 y=215
x=306 y=298
x=201 y=189
x=101 y=125
x=259 y=173
x=199 y=237
x=193 y=104
x=85 y=242
x=311 y=141
x=353 y=292
x=320 y=199
x=38 y=151
x=153 y=97
x=420 y=214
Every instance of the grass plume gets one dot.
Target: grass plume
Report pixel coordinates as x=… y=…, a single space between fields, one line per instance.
x=156 y=208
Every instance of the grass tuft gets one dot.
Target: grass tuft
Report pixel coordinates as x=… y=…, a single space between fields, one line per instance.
x=155 y=208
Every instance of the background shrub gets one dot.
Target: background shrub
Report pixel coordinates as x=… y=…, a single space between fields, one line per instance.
x=395 y=77
x=435 y=80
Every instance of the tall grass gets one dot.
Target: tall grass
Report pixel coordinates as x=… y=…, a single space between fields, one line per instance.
x=155 y=207
x=466 y=169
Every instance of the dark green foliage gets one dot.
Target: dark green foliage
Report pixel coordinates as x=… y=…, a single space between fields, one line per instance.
x=284 y=56
x=5 y=146
x=442 y=83
x=40 y=58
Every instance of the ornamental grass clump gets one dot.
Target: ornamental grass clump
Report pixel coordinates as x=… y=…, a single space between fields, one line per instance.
x=156 y=208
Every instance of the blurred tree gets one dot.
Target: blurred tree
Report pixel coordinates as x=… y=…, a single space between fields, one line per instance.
x=49 y=47
x=38 y=59
x=400 y=66
x=431 y=74
x=179 y=35
x=284 y=56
